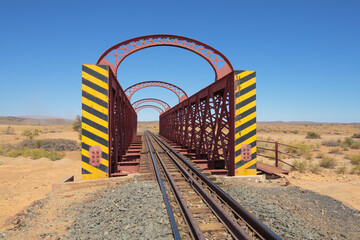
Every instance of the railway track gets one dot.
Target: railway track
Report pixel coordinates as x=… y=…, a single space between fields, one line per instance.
x=198 y=208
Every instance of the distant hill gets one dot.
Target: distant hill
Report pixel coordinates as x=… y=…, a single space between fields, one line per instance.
x=34 y=120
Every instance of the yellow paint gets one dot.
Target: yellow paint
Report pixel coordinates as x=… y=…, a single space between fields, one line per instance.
x=243 y=74
x=96 y=173
x=103 y=161
x=248 y=83
x=245 y=172
x=245 y=108
x=245 y=96
x=91 y=142
x=248 y=129
x=95 y=131
x=95 y=93
x=95 y=80
x=248 y=118
x=94 y=105
x=94 y=118
x=247 y=141
x=100 y=70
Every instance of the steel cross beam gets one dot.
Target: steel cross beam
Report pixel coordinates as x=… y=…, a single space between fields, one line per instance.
x=149 y=106
x=155 y=100
x=181 y=94
x=117 y=53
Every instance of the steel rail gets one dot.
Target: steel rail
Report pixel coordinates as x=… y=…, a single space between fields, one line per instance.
x=174 y=228
x=231 y=225
x=195 y=230
x=261 y=229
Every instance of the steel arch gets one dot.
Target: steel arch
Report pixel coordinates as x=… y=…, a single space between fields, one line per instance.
x=136 y=87
x=120 y=51
x=149 y=106
x=155 y=100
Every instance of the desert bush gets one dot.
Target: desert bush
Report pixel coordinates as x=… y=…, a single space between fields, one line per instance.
x=334 y=151
x=33 y=153
x=308 y=155
x=331 y=143
x=30 y=133
x=341 y=170
x=295 y=132
x=299 y=165
x=40 y=153
x=355 y=159
x=17 y=152
x=355 y=169
x=356 y=135
x=348 y=142
x=51 y=144
x=301 y=149
x=77 y=124
x=9 y=131
x=327 y=162
x=313 y=135
x=356 y=145
x=314 y=168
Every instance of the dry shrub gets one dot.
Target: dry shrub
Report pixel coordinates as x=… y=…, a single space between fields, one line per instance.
x=356 y=135
x=308 y=155
x=355 y=159
x=314 y=168
x=313 y=135
x=355 y=169
x=9 y=131
x=341 y=170
x=327 y=162
x=51 y=144
x=33 y=153
x=356 y=145
x=299 y=165
x=334 y=151
x=331 y=143
x=348 y=142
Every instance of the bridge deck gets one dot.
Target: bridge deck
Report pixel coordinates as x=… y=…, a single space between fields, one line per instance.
x=271 y=170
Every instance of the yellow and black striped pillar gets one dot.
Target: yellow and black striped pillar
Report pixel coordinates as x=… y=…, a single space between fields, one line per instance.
x=245 y=123
x=95 y=122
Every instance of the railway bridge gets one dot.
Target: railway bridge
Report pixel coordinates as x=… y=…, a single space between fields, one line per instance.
x=215 y=127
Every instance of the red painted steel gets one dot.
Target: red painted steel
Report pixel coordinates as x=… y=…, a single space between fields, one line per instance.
x=120 y=51
x=155 y=100
x=277 y=152
x=204 y=124
x=122 y=123
x=181 y=94
x=149 y=106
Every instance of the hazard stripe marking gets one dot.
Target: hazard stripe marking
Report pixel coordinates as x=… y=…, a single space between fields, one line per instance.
x=245 y=120
x=95 y=124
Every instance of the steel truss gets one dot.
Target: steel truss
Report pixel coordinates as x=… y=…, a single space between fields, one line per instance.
x=149 y=106
x=204 y=124
x=117 y=53
x=154 y=100
x=181 y=94
x=122 y=122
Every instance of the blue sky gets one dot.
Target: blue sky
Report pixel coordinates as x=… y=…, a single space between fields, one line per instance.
x=306 y=53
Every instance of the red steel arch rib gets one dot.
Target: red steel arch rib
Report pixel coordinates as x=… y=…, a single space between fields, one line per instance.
x=149 y=106
x=155 y=100
x=120 y=51
x=136 y=87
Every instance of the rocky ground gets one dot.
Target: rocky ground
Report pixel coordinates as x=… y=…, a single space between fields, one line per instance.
x=135 y=210
x=294 y=213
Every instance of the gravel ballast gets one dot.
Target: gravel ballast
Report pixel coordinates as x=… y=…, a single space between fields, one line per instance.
x=294 y=213
x=132 y=211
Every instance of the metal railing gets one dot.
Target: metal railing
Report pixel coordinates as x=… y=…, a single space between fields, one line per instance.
x=277 y=152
